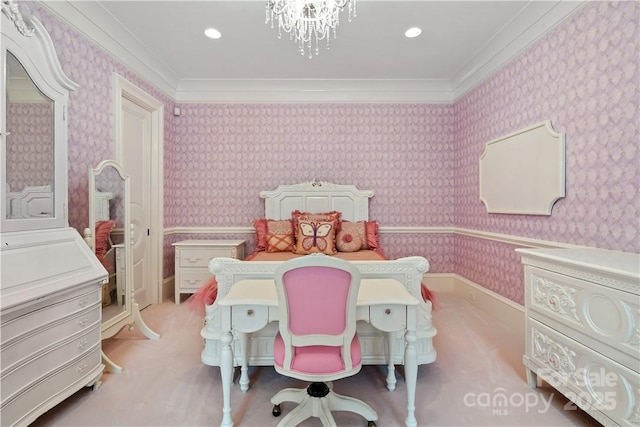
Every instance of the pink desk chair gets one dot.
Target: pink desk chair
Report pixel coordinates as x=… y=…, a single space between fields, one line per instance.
x=317 y=340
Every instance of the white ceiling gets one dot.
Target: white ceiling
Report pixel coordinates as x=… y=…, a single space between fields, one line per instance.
x=370 y=61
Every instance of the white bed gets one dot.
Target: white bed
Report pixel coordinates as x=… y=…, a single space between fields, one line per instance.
x=320 y=197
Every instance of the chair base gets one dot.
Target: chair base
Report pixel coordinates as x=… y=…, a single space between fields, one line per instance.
x=318 y=400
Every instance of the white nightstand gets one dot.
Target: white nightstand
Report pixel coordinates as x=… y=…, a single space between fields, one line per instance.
x=192 y=261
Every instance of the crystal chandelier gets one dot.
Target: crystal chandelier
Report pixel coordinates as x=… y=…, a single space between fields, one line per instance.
x=308 y=21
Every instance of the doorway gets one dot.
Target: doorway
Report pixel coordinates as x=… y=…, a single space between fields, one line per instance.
x=139 y=148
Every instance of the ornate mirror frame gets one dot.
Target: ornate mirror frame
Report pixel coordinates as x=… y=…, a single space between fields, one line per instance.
x=29 y=42
x=113 y=323
x=130 y=315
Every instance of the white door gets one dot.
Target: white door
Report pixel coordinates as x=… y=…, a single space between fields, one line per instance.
x=139 y=135
x=136 y=161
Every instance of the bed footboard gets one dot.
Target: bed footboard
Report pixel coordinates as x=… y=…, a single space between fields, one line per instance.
x=408 y=271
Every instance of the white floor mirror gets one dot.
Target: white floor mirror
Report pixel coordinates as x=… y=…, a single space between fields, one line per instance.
x=109 y=235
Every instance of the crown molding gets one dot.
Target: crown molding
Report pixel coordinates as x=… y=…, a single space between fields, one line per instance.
x=284 y=91
x=95 y=23
x=495 y=54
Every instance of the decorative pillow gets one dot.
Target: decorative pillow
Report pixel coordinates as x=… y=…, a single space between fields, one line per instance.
x=280 y=242
x=323 y=216
x=347 y=241
x=371 y=234
x=351 y=233
x=316 y=236
x=261 y=234
x=103 y=229
x=270 y=226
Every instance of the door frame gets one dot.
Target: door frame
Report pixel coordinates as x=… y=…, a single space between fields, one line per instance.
x=125 y=89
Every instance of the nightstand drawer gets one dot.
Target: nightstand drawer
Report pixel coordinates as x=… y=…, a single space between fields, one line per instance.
x=200 y=257
x=193 y=279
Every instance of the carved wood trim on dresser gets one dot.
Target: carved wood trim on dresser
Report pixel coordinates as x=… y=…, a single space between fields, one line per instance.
x=582 y=317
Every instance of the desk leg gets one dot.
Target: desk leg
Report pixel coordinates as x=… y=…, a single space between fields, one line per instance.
x=411 y=368
x=244 y=373
x=226 y=374
x=391 y=368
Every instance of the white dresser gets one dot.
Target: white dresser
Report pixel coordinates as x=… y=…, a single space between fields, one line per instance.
x=50 y=282
x=582 y=309
x=192 y=261
x=50 y=317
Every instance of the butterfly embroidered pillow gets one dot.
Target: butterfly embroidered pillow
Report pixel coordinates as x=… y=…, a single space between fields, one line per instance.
x=297 y=216
x=315 y=236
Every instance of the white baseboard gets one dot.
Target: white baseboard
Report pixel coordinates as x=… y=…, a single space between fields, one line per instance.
x=503 y=309
x=168 y=288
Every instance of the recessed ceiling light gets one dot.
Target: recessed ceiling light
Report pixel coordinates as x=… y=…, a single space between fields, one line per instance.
x=212 y=33
x=413 y=32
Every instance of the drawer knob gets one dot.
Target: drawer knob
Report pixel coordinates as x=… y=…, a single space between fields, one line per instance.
x=82 y=322
x=82 y=344
x=387 y=312
x=83 y=301
x=193 y=259
x=82 y=367
x=250 y=312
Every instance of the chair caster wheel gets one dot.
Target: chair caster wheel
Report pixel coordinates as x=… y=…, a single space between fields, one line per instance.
x=276 y=410
x=371 y=424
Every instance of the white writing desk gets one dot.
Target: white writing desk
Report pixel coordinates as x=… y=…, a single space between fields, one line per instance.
x=251 y=304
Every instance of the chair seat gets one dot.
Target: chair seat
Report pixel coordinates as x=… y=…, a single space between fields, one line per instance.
x=317 y=359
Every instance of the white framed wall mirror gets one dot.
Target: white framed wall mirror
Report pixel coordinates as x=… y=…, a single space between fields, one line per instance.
x=34 y=95
x=109 y=235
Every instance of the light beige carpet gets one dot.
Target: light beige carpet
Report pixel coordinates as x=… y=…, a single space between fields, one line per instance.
x=164 y=383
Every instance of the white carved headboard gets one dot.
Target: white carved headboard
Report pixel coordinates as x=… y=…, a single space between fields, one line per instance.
x=317 y=196
x=101 y=205
x=31 y=202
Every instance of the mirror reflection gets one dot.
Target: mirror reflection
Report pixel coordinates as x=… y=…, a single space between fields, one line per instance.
x=29 y=145
x=109 y=220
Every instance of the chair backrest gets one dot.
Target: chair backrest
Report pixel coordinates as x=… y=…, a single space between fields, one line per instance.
x=317 y=297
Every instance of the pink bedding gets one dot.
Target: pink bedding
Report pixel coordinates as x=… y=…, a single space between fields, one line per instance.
x=207 y=294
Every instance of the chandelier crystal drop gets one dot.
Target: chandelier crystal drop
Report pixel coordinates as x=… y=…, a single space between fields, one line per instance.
x=308 y=21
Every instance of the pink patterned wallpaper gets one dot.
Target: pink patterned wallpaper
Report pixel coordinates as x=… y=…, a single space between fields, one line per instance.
x=90 y=138
x=29 y=146
x=583 y=77
x=421 y=160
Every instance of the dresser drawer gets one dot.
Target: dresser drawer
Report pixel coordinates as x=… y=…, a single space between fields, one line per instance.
x=48 y=312
x=79 y=372
x=33 y=369
x=200 y=257
x=27 y=345
x=603 y=318
x=193 y=278
x=583 y=375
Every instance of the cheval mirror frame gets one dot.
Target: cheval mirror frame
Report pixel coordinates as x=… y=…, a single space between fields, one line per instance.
x=130 y=313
